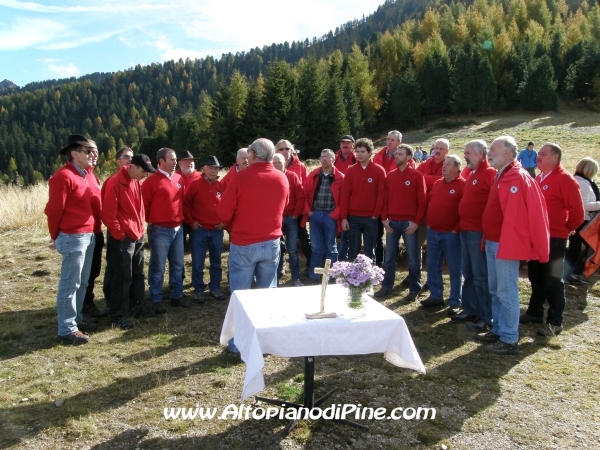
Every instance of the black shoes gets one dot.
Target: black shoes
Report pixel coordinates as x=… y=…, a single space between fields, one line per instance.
x=431 y=302
x=159 y=308
x=179 y=302
x=142 y=313
x=526 y=318
x=463 y=317
x=217 y=295
x=502 y=348
x=549 y=330
x=488 y=337
x=75 y=338
x=94 y=311
x=121 y=323
x=383 y=293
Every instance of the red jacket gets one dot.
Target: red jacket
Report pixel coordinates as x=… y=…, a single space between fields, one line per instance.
x=96 y=192
x=200 y=203
x=389 y=164
x=525 y=231
x=310 y=188
x=252 y=206
x=363 y=191
x=70 y=206
x=405 y=196
x=442 y=205
x=298 y=167
x=228 y=176
x=295 y=204
x=186 y=181
x=475 y=196
x=563 y=202
x=163 y=200
x=123 y=208
x=432 y=172
x=342 y=165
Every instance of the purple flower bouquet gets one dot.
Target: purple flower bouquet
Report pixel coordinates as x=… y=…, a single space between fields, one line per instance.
x=358 y=277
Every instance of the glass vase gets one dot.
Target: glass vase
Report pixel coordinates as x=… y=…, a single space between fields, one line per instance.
x=356 y=303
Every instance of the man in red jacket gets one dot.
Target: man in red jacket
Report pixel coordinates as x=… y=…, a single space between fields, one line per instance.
x=443 y=240
x=162 y=194
x=515 y=227
x=565 y=213
x=345 y=156
x=476 y=298
x=322 y=192
x=70 y=210
x=291 y=213
x=123 y=215
x=241 y=163
x=252 y=210
x=200 y=213
x=362 y=200
x=404 y=207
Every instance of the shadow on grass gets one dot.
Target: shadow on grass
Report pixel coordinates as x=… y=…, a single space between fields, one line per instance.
x=26 y=331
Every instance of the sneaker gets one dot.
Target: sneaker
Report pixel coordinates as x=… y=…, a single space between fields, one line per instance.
x=479 y=326
x=502 y=348
x=87 y=326
x=121 y=323
x=88 y=318
x=75 y=338
x=179 y=302
x=526 y=318
x=383 y=293
x=430 y=302
x=199 y=297
x=94 y=311
x=488 y=337
x=217 y=295
x=159 y=307
x=579 y=279
x=453 y=310
x=549 y=330
x=142 y=313
x=572 y=281
x=405 y=282
x=463 y=317
x=298 y=283
x=410 y=297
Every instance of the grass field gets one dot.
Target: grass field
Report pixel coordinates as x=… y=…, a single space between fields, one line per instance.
x=111 y=393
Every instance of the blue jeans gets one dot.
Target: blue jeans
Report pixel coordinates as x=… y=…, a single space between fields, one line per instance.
x=290 y=231
x=413 y=255
x=440 y=245
x=476 y=298
x=503 y=276
x=165 y=243
x=323 y=230
x=365 y=227
x=248 y=261
x=76 y=251
x=200 y=240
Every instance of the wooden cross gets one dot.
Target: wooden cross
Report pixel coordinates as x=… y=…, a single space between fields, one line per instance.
x=325 y=272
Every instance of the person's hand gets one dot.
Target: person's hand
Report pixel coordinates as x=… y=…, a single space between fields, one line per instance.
x=309 y=213
x=195 y=226
x=386 y=225
x=345 y=225
x=220 y=226
x=412 y=227
x=52 y=245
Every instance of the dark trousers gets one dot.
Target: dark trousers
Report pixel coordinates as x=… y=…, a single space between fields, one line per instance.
x=547 y=284
x=95 y=270
x=365 y=228
x=304 y=239
x=577 y=252
x=128 y=265
x=379 y=244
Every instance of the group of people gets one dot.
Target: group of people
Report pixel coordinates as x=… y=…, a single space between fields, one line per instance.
x=483 y=220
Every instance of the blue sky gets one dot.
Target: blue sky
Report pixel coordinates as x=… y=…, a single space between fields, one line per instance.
x=44 y=40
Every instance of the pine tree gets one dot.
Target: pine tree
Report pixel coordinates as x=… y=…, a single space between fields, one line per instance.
x=405 y=98
x=463 y=80
x=485 y=86
x=312 y=134
x=434 y=78
x=353 y=111
x=539 y=92
x=280 y=118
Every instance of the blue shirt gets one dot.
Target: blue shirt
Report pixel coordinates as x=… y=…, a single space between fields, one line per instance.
x=528 y=160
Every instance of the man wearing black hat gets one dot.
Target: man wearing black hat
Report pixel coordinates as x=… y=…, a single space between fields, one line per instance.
x=70 y=210
x=344 y=158
x=200 y=213
x=123 y=215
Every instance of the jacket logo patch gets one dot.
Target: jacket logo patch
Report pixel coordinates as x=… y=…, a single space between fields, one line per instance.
x=370 y=180
x=178 y=186
x=545 y=187
x=452 y=191
x=514 y=189
x=407 y=183
x=218 y=194
x=474 y=182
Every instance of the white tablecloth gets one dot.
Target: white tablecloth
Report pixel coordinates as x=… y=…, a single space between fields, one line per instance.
x=272 y=321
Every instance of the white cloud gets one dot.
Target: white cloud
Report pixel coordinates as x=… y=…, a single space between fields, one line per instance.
x=63 y=71
x=169 y=52
x=28 y=33
x=117 y=7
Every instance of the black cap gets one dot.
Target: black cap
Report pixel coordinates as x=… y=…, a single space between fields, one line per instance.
x=144 y=162
x=211 y=161
x=186 y=154
x=75 y=140
x=347 y=138
x=530 y=143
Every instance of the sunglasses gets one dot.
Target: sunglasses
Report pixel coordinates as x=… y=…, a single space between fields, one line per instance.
x=284 y=149
x=88 y=150
x=126 y=157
